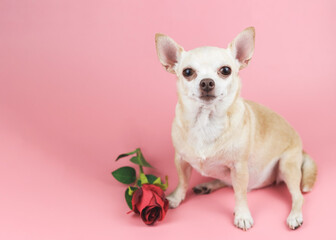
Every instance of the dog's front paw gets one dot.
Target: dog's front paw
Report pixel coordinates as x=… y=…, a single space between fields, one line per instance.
x=294 y=220
x=175 y=199
x=243 y=220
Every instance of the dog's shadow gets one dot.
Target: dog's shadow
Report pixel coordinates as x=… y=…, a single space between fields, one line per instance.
x=275 y=194
x=218 y=201
x=222 y=201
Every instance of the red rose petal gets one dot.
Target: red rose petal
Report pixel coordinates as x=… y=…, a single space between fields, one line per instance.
x=150 y=202
x=153 y=188
x=150 y=214
x=146 y=200
x=136 y=199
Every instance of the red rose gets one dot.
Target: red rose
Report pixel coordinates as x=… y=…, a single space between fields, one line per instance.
x=150 y=202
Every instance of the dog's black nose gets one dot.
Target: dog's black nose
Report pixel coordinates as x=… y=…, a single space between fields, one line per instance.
x=207 y=84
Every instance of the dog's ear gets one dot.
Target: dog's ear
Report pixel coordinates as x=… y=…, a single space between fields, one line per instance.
x=242 y=46
x=168 y=51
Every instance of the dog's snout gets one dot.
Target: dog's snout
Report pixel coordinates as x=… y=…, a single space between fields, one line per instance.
x=207 y=84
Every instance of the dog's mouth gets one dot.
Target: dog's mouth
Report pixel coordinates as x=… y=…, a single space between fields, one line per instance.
x=207 y=97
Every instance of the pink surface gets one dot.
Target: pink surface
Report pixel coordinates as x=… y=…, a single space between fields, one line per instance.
x=80 y=82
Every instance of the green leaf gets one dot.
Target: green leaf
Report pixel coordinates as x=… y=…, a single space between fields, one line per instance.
x=125 y=154
x=165 y=186
x=130 y=191
x=157 y=181
x=135 y=160
x=125 y=175
x=139 y=159
x=128 y=197
x=144 y=162
x=143 y=178
x=151 y=178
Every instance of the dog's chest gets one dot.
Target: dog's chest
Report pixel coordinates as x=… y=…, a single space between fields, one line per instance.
x=212 y=167
x=204 y=131
x=205 y=152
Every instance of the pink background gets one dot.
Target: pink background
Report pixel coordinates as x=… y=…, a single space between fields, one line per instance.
x=80 y=82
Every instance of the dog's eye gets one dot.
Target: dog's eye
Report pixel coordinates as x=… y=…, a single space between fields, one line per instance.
x=225 y=70
x=188 y=72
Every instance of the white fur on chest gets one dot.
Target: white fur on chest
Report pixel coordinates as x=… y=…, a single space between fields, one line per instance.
x=204 y=131
x=212 y=167
x=202 y=152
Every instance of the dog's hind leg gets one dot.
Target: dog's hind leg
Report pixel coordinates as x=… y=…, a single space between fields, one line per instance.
x=208 y=187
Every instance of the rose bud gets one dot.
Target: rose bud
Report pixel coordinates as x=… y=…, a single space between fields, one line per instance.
x=149 y=201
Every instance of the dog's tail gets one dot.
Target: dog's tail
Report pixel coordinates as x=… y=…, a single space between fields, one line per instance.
x=309 y=173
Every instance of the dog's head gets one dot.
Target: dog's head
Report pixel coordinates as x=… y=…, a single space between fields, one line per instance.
x=207 y=75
